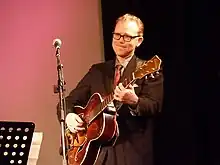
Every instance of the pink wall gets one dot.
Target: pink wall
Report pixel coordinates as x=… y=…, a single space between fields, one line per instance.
x=28 y=65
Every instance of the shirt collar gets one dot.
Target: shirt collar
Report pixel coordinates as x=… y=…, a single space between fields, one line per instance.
x=125 y=62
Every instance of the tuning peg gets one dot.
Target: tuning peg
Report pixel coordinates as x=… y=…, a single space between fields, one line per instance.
x=157 y=74
x=152 y=76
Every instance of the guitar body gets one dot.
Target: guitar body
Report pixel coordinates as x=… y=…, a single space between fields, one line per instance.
x=85 y=146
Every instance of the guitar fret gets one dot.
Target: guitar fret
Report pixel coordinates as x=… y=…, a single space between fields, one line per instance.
x=102 y=103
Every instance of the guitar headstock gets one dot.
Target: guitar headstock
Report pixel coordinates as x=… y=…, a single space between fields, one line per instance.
x=149 y=67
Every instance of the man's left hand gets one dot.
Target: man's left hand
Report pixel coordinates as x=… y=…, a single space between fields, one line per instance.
x=125 y=95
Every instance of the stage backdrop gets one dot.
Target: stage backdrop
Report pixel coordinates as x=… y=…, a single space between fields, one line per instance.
x=28 y=62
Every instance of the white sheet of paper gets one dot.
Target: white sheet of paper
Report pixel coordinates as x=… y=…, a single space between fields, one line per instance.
x=35 y=148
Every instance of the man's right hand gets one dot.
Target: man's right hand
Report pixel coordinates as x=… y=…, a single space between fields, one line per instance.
x=74 y=123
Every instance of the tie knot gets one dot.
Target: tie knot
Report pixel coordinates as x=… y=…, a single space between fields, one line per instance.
x=117 y=74
x=119 y=67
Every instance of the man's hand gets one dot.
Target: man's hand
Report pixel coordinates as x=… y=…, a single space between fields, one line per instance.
x=74 y=123
x=125 y=95
x=111 y=107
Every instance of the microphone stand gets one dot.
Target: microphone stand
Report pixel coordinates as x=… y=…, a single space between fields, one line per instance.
x=60 y=89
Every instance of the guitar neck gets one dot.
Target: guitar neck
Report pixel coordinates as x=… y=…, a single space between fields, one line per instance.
x=108 y=99
x=148 y=67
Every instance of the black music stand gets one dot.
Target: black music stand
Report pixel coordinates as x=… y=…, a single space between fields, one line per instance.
x=15 y=142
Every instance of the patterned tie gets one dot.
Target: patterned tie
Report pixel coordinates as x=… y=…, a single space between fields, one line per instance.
x=116 y=81
x=117 y=74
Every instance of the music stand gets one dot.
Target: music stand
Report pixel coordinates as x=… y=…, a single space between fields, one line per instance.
x=15 y=142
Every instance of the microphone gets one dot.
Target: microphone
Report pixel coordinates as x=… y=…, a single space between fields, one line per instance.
x=57 y=43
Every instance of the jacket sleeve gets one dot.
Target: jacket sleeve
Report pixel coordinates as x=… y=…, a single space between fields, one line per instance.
x=80 y=95
x=150 y=98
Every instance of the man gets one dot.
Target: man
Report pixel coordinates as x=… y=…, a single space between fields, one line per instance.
x=141 y=101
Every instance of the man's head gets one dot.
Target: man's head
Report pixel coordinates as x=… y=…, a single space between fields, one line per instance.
x=128 y=35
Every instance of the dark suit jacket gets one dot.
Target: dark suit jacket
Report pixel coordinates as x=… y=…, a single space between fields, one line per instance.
x=134 y=144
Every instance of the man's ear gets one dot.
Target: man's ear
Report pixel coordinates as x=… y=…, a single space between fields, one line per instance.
x=140 y=40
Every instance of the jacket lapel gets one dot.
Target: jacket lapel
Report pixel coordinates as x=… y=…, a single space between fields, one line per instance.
x=109 y=76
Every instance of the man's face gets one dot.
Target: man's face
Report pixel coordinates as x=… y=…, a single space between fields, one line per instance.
x=125 y=46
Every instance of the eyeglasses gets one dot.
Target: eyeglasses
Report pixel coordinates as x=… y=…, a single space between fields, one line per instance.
x=126 y=38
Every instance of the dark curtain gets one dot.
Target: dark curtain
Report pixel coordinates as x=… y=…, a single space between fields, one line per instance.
x=182 y=34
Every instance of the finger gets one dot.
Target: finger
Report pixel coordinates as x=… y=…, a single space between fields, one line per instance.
x=79 y=120
x=111 y=104
x=121 y=86
x=112 y=109
x=131 y=87
x=76 y=128
x=117 y=90
x=72 y=129
x=116 y=97
x=69 y=118
x=72 y=126
x=73 y=118
x=80 y=128
x=79 y=124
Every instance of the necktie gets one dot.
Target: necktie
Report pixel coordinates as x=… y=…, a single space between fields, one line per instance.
x=117 y=74
x=116 y=81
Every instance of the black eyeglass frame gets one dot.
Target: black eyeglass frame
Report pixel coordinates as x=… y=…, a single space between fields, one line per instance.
x=123 y=36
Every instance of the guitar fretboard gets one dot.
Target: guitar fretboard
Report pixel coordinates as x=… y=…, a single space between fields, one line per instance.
x=108 y=99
